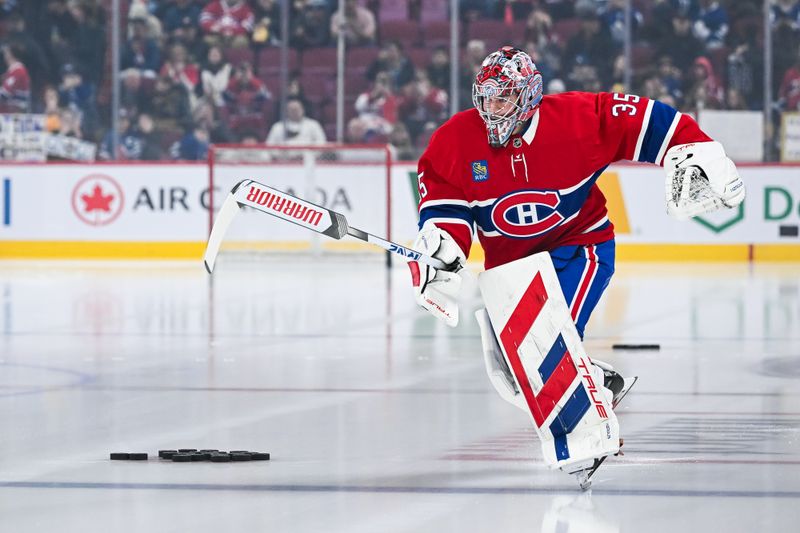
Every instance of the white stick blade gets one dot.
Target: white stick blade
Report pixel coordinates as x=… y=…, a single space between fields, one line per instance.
x=284 y=206
x=229 y=209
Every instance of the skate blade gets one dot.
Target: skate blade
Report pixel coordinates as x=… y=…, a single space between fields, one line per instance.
x=629 y=383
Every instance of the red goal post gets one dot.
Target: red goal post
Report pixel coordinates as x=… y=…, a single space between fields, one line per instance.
x=355 y=180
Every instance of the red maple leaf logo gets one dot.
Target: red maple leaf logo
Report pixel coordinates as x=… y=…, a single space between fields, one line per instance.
x=97 y=202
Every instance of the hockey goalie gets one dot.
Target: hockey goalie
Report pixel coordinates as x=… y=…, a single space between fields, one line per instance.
x=520 y=169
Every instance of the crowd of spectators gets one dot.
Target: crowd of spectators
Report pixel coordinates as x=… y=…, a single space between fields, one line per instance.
x=195 y=72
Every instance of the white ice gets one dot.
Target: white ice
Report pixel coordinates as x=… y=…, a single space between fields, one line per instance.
x=378 y=418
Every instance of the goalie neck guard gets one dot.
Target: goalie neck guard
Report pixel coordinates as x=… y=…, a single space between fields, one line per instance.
x=507 y=91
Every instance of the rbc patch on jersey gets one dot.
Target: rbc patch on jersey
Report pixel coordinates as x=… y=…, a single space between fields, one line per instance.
x=480 y=170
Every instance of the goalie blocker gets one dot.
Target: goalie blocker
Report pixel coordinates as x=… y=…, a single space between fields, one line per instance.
x=553 y=378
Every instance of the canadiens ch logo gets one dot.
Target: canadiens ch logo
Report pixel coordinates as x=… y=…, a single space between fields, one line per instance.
x=525 y=214
x=480 y=170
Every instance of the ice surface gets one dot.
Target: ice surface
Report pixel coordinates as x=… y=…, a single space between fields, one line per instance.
x=378 y=418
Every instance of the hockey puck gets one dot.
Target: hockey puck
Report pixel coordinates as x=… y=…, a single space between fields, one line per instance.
x=187 y=450
x=220 y=458
x=117 y=456
x=209 y=451
x=241 y=456
x=259 y=456
x=635 y=346
x=199 y=456
x=166 y=454
x=137 y=456
x=182 y=458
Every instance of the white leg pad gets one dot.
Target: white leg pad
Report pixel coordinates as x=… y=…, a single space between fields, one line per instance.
x=561 y=389
x=496 y=367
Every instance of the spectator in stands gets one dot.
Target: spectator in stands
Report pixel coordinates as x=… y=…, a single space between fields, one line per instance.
x=789 y=91
x=785 y=10
x=193 y=146
x=678 y=42
x=15 y=83
x=227 y=22
x=188 y=35
x=656 y=27
x=400 y=141
x=420 y=104
x=127 y=143
x=356 y=132
x=89 y=49
x=32 y=55
x=439 y=68
x=590 y=48
x=179 y=69
x=358 y=24
x=152 y=25
x=7 y=8
x=613 y=16
x=310 y=24
x=474 y=54
x=785 y=55
x=245 y=94
x=546 y=63
x=377 y=111
x=711 y=24
x=704 y=89
x=470 y=10
x=746 y=75
x=215 y=76
x=297 y=129
x=141 y=52
x=169 y=105
x=294 y=90
x=51 y=110
x=267 y=28
x=79 y=95
x=151 y=149
x=671 y=79
x=541 y=42
x=208 y=117
x=393 y=60
x=135 y=90
x=70 y=121
x=54 y=29
x=585 y=77
x=556 y=86
x=180 y=13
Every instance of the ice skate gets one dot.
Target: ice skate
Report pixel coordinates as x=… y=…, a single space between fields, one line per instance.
x=619 y=387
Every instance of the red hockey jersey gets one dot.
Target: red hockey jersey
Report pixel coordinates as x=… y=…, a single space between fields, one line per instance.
x=227 y=18
x=538 y=192
x=15 y=89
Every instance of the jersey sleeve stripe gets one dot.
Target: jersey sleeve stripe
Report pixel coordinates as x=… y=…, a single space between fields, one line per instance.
x=645 y=125
x=667 y=138
x=661 y=119
x=438 y=221
x=447 y=201
x=457 y=214
x=597 y=225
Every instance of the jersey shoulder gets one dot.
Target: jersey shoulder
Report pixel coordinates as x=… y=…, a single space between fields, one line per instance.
x=460 y=135
x=572 y=103
x=463 y=127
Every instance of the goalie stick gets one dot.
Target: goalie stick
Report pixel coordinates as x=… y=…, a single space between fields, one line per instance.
x=268 y=200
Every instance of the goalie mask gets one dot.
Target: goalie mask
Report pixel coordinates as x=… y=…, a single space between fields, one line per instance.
x=507 y=91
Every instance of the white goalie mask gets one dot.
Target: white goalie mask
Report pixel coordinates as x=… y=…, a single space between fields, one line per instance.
x=506 y=92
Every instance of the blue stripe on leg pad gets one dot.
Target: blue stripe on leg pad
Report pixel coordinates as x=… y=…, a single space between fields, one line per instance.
x=552 y=359
x=567 y=419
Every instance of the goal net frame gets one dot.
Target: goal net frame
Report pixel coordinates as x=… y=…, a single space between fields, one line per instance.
x=305 y=156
